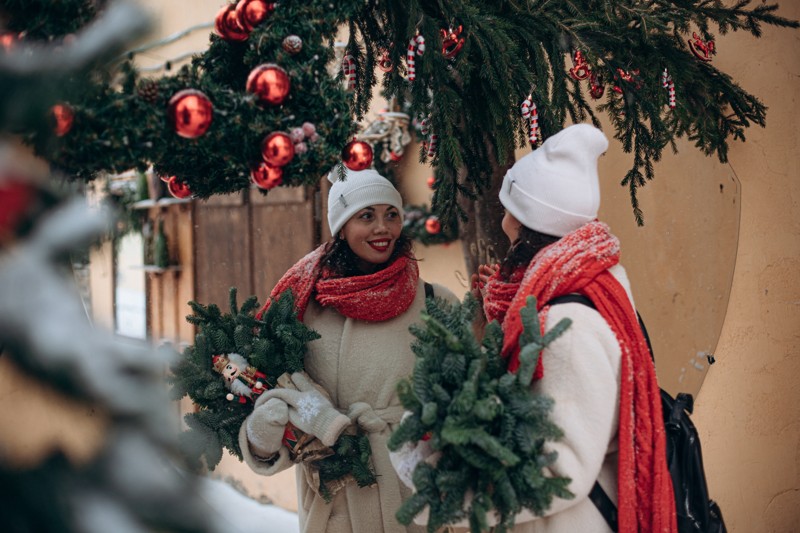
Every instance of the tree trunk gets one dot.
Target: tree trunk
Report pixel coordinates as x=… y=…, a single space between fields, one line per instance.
x=482 y=237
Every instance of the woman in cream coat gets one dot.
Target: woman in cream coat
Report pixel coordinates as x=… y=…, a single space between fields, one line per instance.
x=360 y=292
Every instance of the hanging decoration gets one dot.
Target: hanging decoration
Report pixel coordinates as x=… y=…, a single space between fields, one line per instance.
x=431 y=181
x=349 y=71
x=630 y=77
x=390 y=130
x=416 y=47
x=530 y=113
x=357 y=155
x=292 y=44
x=270 y=83
x=251 y=13
x=266 y=176
x=432 y=225
x=432 y=146
x=580 y=68
x=596 y=88
x=190 y=112
x=702 y=50
x=667 y=83
x=178 y=188
x=63 y=117
x=277 y=149
x=385 y=62
x=452 y=41
x=227 y=24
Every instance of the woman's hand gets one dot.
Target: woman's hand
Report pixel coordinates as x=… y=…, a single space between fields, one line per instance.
x=479 y=279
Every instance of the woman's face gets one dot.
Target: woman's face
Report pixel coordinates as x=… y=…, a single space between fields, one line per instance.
x=510 y=227
x=372 y=233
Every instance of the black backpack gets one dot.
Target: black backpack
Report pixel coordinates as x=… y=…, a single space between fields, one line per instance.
x=697 y=513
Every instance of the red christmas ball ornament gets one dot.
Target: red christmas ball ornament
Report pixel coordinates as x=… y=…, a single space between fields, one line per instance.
x=270 y=83
x=266 y=176
x=63 y=116
x=251 y=13
x=277 y=149
x=357 y=155
x=432 y=225
x=178 y=188
x=431 y=181
x=8 y=40
x=227 y=25
x=452 y=41
x=190 y=113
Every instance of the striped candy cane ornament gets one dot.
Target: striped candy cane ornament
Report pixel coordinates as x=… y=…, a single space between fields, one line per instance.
x=529 y=112
x=432 y=145
x=416 y=47
x=349 y=71
x=667 y=83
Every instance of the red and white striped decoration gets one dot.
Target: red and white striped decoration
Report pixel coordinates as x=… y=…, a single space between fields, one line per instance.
x=349 y=71
x=416 y=47
x=667 y=83
x=424 y=126
x=530 y=112
x=432 y=145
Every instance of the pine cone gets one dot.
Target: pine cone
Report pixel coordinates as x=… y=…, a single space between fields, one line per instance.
x=148 y=91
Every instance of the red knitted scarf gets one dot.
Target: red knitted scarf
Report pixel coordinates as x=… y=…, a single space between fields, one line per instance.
x=372 y=297
x=579 y=263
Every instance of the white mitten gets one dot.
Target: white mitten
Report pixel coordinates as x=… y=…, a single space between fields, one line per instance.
x=265 y=426
x=310 y=410
x=406 y=459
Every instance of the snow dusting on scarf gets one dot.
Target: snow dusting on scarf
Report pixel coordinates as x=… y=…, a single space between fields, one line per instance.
x=579 y=263
x=372 y=297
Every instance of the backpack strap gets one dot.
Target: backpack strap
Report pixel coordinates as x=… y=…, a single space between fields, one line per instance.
x=428 y=290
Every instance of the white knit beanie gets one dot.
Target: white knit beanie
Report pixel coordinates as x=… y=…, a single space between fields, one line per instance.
x=555 y=189
x=358 y=190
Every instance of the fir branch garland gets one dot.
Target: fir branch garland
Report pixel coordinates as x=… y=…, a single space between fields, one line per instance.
x=275 y=344
x=487 y=423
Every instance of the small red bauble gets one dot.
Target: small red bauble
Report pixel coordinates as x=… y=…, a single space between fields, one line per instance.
x=267 y=177
x=292 y=44
x=269 y=82
x=432 y=225
x=8 y=40
x=251 y=13
x=431 y=181
x=178 y=188
x=62 y=119
x=385 y=62
x=277 y=149
x=190 y=112
x=227 y=26
x=357 y=155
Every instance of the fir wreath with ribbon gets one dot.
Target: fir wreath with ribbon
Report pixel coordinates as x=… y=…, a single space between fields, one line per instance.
x=271 y=347
x=488 y=424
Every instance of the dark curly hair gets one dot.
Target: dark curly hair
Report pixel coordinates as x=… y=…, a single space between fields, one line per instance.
x=522 y=250
x=339 y=257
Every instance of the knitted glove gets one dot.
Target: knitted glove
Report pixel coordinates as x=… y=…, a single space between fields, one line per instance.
x=265 y=426
x=310 y=410
x=406 y=459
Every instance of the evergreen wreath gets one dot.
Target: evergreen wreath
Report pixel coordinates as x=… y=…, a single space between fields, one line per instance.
x=487 y=423
x=415 y=225
x=275 y=344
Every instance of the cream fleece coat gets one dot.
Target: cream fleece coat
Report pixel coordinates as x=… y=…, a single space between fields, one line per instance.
x=581 y=373
x=358 y=364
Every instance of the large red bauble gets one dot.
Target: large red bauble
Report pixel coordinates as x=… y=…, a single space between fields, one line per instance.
x=251 y=13
x=190 y=112
x=178 y=188
x=267 y=177
x=227 y=26
x=62 y=119
x=277 y=149
x=357 y=155
x=269 y=82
